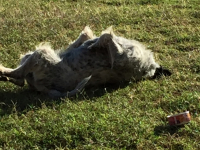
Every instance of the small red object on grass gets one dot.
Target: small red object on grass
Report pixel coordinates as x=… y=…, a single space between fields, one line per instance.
x=179 y=119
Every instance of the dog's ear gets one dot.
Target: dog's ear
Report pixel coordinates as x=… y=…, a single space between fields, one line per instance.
x=106 y=40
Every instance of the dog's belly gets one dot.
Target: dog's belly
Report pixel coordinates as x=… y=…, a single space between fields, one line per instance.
x=67 y=82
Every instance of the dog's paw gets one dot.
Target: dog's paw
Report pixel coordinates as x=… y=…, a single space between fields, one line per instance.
x=3 y=78
x=2 y=68
x=87 y=32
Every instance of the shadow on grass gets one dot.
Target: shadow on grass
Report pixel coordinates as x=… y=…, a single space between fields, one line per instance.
x=95 y=92
x=158 y=130
x=24 y=99
x=20 y=100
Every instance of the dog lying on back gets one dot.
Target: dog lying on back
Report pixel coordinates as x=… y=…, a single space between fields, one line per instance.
x=89 y=61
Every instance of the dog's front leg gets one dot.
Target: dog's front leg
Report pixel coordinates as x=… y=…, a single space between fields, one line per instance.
x=85 y=35
x=77 y=89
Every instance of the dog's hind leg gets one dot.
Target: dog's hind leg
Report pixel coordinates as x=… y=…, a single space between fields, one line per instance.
x=29 y=76
x=35 y=63
x=21 y=71
x=19 y=82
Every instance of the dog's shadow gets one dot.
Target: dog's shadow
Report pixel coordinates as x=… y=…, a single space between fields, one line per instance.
x=166 y=129
x=20 y=100
x=24 y=99
x=95 y=92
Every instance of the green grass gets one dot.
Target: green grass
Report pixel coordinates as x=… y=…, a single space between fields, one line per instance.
x=130 y=117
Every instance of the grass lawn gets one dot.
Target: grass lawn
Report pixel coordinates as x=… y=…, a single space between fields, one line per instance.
x=130 y=117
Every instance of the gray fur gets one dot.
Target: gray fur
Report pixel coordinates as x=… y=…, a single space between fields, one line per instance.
x=89 y=61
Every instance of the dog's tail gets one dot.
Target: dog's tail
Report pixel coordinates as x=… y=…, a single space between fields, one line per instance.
x=78 y=88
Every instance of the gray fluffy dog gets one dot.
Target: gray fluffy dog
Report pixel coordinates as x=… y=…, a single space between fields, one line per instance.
x=89 y=61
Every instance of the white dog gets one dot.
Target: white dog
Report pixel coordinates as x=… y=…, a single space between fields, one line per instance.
x=89 y=61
